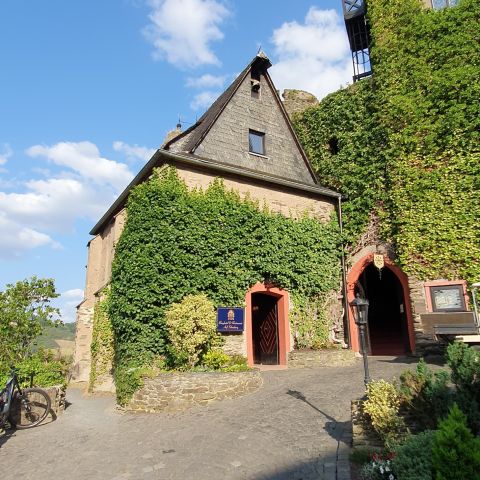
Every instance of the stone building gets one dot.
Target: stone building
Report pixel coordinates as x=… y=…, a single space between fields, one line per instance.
x=247 y=139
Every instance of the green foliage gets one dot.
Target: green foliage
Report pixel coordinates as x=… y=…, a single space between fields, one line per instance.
x=51 y=333
x=192 y=330
x=343 y=139
x=455 y=451
x=219 y=360
x=407 y=140
x=45 y=369
x=413 y=458
x=102 y=346
x=425 y=394
x=383 y=406
x=24 y=310
x=177 y=243
x=464 y=363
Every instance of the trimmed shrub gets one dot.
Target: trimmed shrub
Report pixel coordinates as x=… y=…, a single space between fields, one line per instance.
x=455 y=451
x=413 y=459
x=464 y=362
x=383 y=405
x=192 y=330
x=426 y=395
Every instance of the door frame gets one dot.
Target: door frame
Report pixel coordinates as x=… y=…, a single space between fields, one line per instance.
x=352 y=279
x=283 y=324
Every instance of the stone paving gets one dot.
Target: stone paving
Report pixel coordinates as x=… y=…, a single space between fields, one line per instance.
x=296 y=427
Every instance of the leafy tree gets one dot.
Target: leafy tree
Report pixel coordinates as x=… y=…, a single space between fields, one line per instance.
x=24 y=310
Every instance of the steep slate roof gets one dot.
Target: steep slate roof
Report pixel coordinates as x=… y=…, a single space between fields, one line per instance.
x=196 y=133
x=205 y=122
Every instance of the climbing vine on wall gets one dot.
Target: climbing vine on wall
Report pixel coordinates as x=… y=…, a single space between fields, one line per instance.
x=408 y=139
x=102 y=348
x=178 y=242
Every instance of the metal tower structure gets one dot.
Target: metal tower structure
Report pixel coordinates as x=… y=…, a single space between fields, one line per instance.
x=354 y=14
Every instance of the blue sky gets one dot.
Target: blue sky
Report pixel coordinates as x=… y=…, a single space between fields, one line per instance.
x=89 y=89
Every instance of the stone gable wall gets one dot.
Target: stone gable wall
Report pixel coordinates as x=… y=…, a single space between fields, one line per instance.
x=227 y=141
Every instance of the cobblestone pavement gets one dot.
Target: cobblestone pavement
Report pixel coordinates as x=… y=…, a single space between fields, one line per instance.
x=296 y=427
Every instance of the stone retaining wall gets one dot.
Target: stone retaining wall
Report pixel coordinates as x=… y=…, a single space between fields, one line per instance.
x=172 y=392
x=57 y=396
x=321 y=358
x=363 y=435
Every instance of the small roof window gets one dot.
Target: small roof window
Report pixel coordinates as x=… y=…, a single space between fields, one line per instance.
x=256 y=142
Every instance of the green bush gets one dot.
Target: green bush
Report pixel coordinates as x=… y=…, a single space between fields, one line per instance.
x=43 y=367
x=192 y=330
x=215 y=359
x=383 y=405
x=413 y=458
x=464 y=362
x=455 y=451
x=219 y=360
x=426 y=395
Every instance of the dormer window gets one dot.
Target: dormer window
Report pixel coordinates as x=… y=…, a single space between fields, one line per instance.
x=256 y=142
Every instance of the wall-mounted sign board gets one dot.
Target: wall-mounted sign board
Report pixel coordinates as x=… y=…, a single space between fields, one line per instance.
x=446 y=296
x=230 y=319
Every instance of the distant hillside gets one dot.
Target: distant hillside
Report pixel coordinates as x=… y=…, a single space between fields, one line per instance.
x=50 y=334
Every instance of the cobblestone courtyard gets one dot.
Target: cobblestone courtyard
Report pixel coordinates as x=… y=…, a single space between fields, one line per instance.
x=296 y=427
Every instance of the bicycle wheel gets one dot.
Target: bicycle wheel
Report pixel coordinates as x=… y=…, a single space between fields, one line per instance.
x=30 y=408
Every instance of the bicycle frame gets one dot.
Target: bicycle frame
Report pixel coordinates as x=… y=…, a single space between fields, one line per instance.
x=7 y=396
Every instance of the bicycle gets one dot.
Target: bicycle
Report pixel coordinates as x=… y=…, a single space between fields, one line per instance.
x=22 y=407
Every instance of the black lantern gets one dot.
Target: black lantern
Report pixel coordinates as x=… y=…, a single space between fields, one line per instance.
x=360 y=312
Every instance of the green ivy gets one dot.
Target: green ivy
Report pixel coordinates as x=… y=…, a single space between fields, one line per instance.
x=178 y=242
x=409 y=138
x=101 y=348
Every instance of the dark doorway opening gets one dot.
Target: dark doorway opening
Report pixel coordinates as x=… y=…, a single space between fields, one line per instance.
x=387 y=320
x=265 y=329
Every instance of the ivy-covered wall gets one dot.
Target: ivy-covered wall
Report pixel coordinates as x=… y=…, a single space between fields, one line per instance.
x=405 y=144
x=178 y=242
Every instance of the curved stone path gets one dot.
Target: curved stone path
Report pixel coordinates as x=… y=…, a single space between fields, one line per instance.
x=296 y=427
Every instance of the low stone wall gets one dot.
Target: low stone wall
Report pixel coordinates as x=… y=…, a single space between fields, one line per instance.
x=363 y=434
x=171 y=392
x=321 y=358
x=57 y=396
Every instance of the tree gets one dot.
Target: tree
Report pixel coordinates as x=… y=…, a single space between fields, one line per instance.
x=24 y=310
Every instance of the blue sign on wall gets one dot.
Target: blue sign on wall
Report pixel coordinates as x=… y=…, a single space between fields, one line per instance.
x=230 y=319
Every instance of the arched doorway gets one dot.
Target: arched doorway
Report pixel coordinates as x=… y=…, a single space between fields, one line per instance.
x=267 y=327
x=390 y=323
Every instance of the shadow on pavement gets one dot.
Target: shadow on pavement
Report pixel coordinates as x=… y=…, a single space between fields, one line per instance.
x=333 y=427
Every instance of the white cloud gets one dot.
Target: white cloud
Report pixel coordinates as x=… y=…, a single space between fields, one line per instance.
x=84 y=189
x=203 y=100
x=182 y=30
x=6 y=154
x=313 y=56
x=84 y=158
x=17 y=238
x=68 y=302
x=206 y=81
x=134 y=152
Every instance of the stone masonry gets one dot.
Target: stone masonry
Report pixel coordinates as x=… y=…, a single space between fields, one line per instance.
x=171 y=392
x=227 y=140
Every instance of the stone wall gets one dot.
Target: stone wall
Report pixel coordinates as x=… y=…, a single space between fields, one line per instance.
x=321 y=358
x=228 y=140
x=171 y=392
x=57 y=395
x=297 y=101
x=363 y=434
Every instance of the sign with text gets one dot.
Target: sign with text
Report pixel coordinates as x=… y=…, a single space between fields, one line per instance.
x=230 y=319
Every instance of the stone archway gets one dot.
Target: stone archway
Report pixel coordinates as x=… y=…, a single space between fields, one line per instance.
x=276 y=303
x=405 y=316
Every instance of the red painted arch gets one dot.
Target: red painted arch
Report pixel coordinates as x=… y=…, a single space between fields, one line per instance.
x=283 y=323
x=352 y=279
